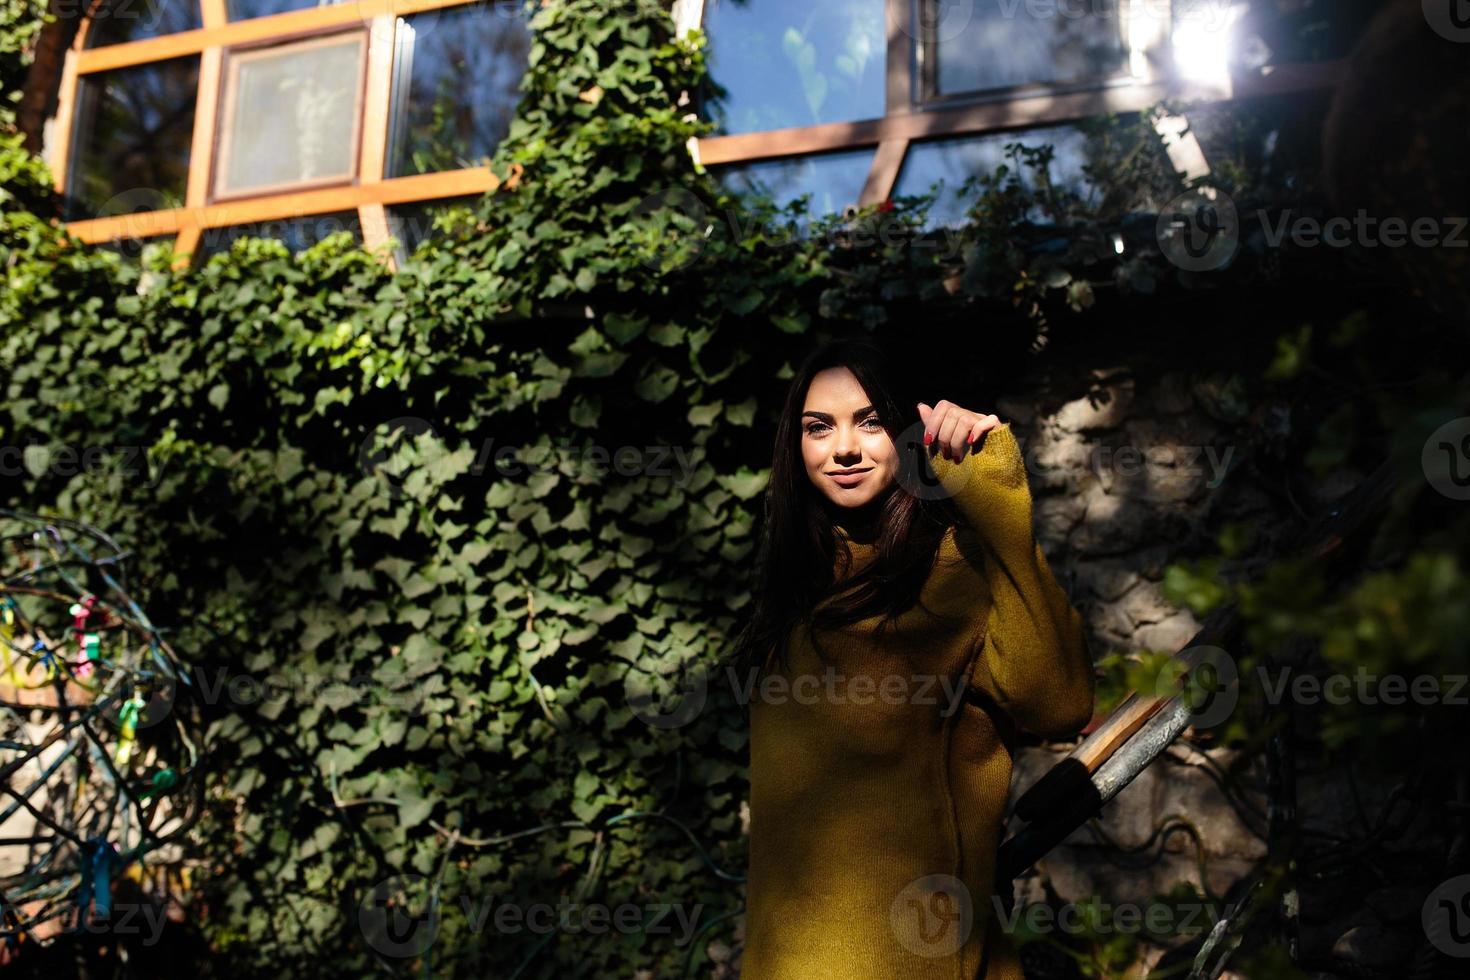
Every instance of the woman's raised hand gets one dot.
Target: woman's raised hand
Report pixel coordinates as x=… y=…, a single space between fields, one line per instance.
x=955 y=429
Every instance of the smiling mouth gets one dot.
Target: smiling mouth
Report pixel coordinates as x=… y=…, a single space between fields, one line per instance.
x=848 y=474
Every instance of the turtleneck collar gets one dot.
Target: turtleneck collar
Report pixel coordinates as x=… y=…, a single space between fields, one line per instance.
x=857 y=525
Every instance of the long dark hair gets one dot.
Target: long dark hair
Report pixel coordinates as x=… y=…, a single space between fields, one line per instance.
x=796 y=578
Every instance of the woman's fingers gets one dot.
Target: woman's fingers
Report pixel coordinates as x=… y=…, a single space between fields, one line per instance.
x=951 y=429
x=982 y=425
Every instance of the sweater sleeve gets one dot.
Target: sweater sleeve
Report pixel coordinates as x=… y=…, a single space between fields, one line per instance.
x=1034 y=662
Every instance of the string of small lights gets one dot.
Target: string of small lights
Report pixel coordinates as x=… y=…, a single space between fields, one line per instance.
x=99 y=729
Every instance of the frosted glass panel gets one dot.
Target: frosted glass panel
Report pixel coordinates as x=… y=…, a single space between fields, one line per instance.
x=291 y=115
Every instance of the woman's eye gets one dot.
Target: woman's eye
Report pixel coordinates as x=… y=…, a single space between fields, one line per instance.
x=815 y=428
x=873 y=422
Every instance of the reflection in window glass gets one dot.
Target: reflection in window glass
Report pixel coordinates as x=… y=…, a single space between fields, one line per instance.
x=991 y=44
x=135 y=20
x=834 y=180
x=291 y=115
x=413 y=224
x=297 y=234
x=132 y=134
x=1212 y=38
x=775 y=63
x=246 y=9
x=457 y=77
x=950 y=162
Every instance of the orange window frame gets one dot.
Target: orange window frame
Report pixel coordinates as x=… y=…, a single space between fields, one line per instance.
x=368 y=192
x=909 y=116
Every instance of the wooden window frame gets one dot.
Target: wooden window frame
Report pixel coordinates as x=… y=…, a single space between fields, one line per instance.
x=368 y=193
x=234 y=60
x=910 y=115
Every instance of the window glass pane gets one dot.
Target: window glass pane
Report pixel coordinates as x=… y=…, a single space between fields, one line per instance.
x=990 y=44
x=1214 y=37
x=246 y=9
x=456 y=81
x=834 y=180
x=951 y=162
x=133 y=130
x=413 y=224
x=778 y=63
x=290 y=115
x=134 y=20
x=298 y=234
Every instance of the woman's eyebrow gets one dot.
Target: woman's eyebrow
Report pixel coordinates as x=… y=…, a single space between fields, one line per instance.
x=823 y=416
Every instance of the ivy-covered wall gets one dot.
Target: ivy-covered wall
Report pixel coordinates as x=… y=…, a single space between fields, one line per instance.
x=324 y=494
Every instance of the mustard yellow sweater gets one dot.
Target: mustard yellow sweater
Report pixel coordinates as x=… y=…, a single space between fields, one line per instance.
x=877 y=785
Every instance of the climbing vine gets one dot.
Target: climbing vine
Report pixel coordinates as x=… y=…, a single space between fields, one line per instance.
x=428 y=536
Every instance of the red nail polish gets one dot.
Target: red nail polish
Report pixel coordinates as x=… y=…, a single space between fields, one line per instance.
x=928 y=438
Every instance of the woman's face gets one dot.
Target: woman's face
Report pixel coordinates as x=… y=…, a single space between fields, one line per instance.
x=848 y=454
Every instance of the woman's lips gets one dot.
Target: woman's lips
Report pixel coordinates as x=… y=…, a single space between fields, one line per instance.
x=850 y=479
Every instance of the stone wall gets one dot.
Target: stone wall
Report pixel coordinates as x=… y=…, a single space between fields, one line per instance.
x=1134 y=476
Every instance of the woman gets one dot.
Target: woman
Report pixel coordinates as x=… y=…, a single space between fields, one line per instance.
x=902 y=625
